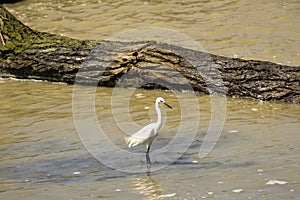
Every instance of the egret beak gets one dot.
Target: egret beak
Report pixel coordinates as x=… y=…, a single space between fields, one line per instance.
x=168 y=105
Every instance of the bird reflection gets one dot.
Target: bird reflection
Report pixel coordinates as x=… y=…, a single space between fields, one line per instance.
x=148 y=187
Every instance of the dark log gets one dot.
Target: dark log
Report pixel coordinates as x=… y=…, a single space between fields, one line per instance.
x=9 y=1
x=29 y=54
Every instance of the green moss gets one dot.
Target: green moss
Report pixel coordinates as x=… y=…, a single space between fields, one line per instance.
x=8 y=46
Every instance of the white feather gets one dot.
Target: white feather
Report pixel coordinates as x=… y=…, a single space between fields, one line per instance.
x=144 y=136
x=148 y=133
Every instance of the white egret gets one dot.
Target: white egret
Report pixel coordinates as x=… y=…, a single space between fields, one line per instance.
x=147 y=134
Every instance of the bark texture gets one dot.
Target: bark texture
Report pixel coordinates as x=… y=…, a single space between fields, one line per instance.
x=29 y=54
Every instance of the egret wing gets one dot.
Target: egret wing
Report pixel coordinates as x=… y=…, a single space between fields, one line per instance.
x=141 y=136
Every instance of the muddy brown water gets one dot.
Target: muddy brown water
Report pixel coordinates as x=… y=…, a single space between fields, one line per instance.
x=42 y=154
x=264 y=30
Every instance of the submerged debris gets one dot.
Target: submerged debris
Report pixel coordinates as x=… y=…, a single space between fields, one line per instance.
x=238 y=190
x=167 y=195
x=274 y=182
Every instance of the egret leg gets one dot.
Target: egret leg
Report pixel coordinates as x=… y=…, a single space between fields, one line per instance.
x=148 y=161
x=148 y=147
x=148 y=157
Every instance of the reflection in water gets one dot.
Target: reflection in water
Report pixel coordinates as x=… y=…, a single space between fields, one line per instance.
x=40 y=149
x=147 y=186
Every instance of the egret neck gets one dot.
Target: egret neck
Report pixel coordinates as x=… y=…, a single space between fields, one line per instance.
x=159 y=116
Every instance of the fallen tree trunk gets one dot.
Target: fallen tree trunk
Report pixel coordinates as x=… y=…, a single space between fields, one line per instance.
x=28 y=54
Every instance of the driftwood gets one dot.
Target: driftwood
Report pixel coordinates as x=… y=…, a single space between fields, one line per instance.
x=29 y=54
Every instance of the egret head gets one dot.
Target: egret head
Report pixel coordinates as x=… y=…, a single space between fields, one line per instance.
x=161 y=100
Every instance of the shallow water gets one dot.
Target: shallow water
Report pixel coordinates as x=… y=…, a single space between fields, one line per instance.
x=42 y=155
x=264 y=30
